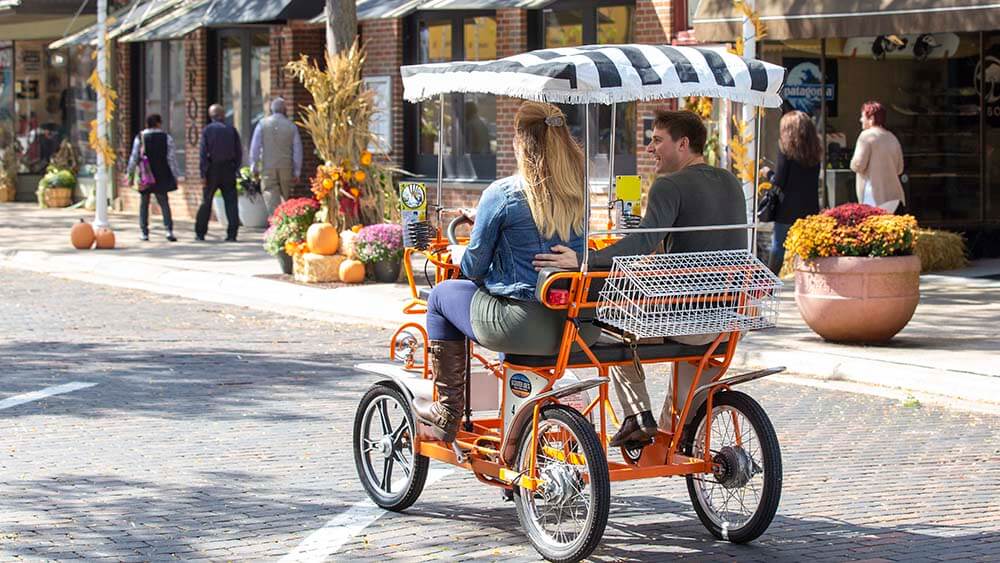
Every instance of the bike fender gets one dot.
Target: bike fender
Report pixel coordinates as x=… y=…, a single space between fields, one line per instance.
x=410 y=384
x=522 y=417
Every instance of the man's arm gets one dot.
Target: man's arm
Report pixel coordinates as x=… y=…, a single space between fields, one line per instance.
x=133 y=157
x=297 y=154
x=256 y=148
x=203 y=156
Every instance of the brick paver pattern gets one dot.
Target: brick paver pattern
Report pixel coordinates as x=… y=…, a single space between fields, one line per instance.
x=222 y=433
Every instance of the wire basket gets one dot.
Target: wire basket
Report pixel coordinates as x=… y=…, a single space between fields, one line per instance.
x=689 y=293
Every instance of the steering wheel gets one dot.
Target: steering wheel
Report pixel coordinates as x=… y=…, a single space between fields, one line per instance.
x=450 y=231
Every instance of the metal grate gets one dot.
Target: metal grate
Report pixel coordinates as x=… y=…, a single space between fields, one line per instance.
x=689 y=293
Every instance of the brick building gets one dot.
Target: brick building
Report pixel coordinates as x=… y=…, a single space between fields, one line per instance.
x=192 y=53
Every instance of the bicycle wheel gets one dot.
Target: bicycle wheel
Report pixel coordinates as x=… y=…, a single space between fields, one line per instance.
x=390 y=470
x=566 y=516
x=738 y=500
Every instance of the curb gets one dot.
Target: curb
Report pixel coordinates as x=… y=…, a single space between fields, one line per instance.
x=384 y=303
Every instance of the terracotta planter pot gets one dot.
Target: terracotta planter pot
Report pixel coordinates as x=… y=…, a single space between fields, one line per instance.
x=855 y=299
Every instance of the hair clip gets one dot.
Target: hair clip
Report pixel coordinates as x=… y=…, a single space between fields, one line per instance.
x=555 y=121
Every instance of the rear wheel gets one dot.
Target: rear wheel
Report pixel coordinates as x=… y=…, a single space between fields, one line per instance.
x=566 y=516
x=390 y=470
x=738 y=500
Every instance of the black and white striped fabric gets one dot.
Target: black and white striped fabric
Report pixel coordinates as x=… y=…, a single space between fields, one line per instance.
x=603 y=74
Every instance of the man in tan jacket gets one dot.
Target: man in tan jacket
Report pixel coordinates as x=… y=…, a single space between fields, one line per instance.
x=276 y=152
x=878 y=161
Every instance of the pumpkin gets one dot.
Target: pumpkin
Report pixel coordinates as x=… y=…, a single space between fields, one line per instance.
x=347 y=243
x=82 y=235
x=322 y=239
x=352 y=271
x=105 y=238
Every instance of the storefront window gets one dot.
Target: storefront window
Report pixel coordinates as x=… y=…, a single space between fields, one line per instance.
x=469 y=137
x=989 y=87
x=245 y=81
x=607 y=25
x=163 y=90
x=6 y=96
x=40 y=96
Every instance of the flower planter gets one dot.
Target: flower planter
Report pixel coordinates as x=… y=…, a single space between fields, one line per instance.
x=386 y=271
x=286 y=262
x=56 y=197
x=857 y=299
x=219 y=207
x=253 y=212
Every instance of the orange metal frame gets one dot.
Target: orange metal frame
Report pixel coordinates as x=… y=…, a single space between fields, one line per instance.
x=482 y=443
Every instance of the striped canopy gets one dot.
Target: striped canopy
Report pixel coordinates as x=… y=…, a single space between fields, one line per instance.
x=603 y=74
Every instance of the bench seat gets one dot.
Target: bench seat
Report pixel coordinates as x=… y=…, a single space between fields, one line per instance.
x=615 y=352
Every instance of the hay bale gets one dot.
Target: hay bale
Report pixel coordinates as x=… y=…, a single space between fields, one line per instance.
x=940 y=250
x=315 y=268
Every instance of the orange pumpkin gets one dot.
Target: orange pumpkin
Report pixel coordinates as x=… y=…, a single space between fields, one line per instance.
x=322 y=239
x=82 y=235
x=105 y=238
x=352 y=271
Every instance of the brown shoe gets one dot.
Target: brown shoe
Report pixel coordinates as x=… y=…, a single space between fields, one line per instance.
x=636 y=429
x=448 y=362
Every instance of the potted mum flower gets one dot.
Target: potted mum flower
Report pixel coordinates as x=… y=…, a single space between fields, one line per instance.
x=287 y=227
x=856 y=276
x=381 y=245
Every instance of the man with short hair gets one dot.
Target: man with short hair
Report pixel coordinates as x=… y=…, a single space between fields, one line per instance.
x=276 y=152
x=221 y=155
x=687 y=193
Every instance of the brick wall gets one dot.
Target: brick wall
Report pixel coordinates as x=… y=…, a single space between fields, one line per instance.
x=653 y=21
x=512 y=38
x=383 y=41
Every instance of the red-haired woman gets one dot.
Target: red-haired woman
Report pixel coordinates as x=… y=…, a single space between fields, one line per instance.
x=878 y=161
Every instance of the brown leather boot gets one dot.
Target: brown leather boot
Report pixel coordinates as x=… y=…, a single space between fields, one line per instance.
x=448 y=359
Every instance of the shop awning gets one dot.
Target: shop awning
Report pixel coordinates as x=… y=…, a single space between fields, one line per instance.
x=719 y=20
x=120 y=22
x=189 y=16
x=22 y=20
x=385 y=9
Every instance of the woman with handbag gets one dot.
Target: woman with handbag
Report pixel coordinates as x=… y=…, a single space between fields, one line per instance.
x=795 y=178
x=152 y=166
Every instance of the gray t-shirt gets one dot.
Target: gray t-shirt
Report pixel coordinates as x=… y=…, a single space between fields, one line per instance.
x=695 y=196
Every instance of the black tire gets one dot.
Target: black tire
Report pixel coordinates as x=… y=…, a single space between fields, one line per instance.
x=600 y=484
x=367 y=414
x=767 y=458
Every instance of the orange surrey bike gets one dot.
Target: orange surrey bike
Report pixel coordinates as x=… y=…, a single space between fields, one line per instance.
x=532 y=427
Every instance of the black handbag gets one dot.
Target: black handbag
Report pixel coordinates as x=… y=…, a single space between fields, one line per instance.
x=767 y=205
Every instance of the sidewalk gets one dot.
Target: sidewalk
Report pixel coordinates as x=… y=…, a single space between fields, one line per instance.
x=951 y=348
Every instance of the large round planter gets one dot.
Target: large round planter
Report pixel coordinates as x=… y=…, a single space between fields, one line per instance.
x=219 y=206
x=856 y=299
x=253 y=212
x=386 y=271
x=286 y=262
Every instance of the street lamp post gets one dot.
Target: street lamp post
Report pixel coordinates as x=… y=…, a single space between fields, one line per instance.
x=101 y=213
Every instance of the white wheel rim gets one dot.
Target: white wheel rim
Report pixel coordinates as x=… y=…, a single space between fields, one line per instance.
x=386 y=445
x=730 y=508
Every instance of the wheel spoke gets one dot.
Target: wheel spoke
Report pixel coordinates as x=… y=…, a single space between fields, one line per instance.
x=383 y=416
x=403 y=464
x=386 y=484
x=367 y=445
x=398 y=432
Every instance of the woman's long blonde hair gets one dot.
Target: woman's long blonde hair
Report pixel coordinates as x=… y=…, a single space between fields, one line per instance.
x=551 y=163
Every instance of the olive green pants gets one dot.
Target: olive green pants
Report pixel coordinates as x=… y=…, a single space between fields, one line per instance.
x=513 y=326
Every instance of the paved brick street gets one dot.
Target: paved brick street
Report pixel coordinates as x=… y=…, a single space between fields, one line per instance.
x=222 y=433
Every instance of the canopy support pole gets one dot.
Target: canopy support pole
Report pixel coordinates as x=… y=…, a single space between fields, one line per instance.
x=756 y=177
x=824 y=195
x=101 y=178
x=611 y=164
x=440 y=171
x=586 y=187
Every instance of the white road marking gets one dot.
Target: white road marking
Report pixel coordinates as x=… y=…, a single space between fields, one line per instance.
x=334 y=534
x=47 y=392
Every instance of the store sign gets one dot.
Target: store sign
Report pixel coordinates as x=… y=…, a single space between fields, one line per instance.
x=803 y=86
x=988 y=84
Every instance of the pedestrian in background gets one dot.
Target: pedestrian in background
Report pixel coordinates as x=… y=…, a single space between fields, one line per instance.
x=796 y=174
x=158 y=148
x=220 y=155
x=878 y=161
x=276 y=152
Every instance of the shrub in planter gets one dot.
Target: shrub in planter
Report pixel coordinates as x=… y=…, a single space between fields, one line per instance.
x=287 y=228
x=856 y=278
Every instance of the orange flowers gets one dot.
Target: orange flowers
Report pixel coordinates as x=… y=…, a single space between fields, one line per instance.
x=294 y=248
x=819 y=236
x=342 y=179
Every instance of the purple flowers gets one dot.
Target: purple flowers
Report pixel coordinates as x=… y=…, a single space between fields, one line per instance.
x=376 y=243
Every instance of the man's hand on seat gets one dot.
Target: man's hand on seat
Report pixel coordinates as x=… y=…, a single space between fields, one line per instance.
x=561 y=257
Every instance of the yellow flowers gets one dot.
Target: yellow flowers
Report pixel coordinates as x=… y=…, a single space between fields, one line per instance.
x=366 y=158
x=701 y=105
x=739 y=152
x=823 y=235
x=294 y=248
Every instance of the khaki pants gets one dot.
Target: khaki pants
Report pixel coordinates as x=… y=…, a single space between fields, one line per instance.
x=630 y=386
x=277 y=186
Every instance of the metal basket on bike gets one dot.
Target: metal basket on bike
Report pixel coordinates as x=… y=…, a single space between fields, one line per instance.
x=689 y=293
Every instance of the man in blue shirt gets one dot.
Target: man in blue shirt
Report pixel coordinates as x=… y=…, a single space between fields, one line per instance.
x=221 y=155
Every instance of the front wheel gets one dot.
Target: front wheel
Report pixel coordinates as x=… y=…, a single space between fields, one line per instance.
x=390 y=469
x=566 y=516
x=738 y=500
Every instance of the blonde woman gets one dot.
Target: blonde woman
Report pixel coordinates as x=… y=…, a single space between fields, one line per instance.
x=517 y=217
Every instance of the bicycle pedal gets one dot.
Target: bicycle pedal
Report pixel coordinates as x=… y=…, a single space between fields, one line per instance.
x=460 y=456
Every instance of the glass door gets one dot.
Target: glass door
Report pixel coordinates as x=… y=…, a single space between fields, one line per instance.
x=245 y=81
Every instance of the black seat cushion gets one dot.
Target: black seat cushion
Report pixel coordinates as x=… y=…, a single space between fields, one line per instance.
x=615 y=352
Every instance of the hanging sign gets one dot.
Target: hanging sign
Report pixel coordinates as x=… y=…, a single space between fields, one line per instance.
x=804 y=83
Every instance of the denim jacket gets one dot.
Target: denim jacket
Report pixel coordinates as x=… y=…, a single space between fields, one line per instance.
x=505 y=240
